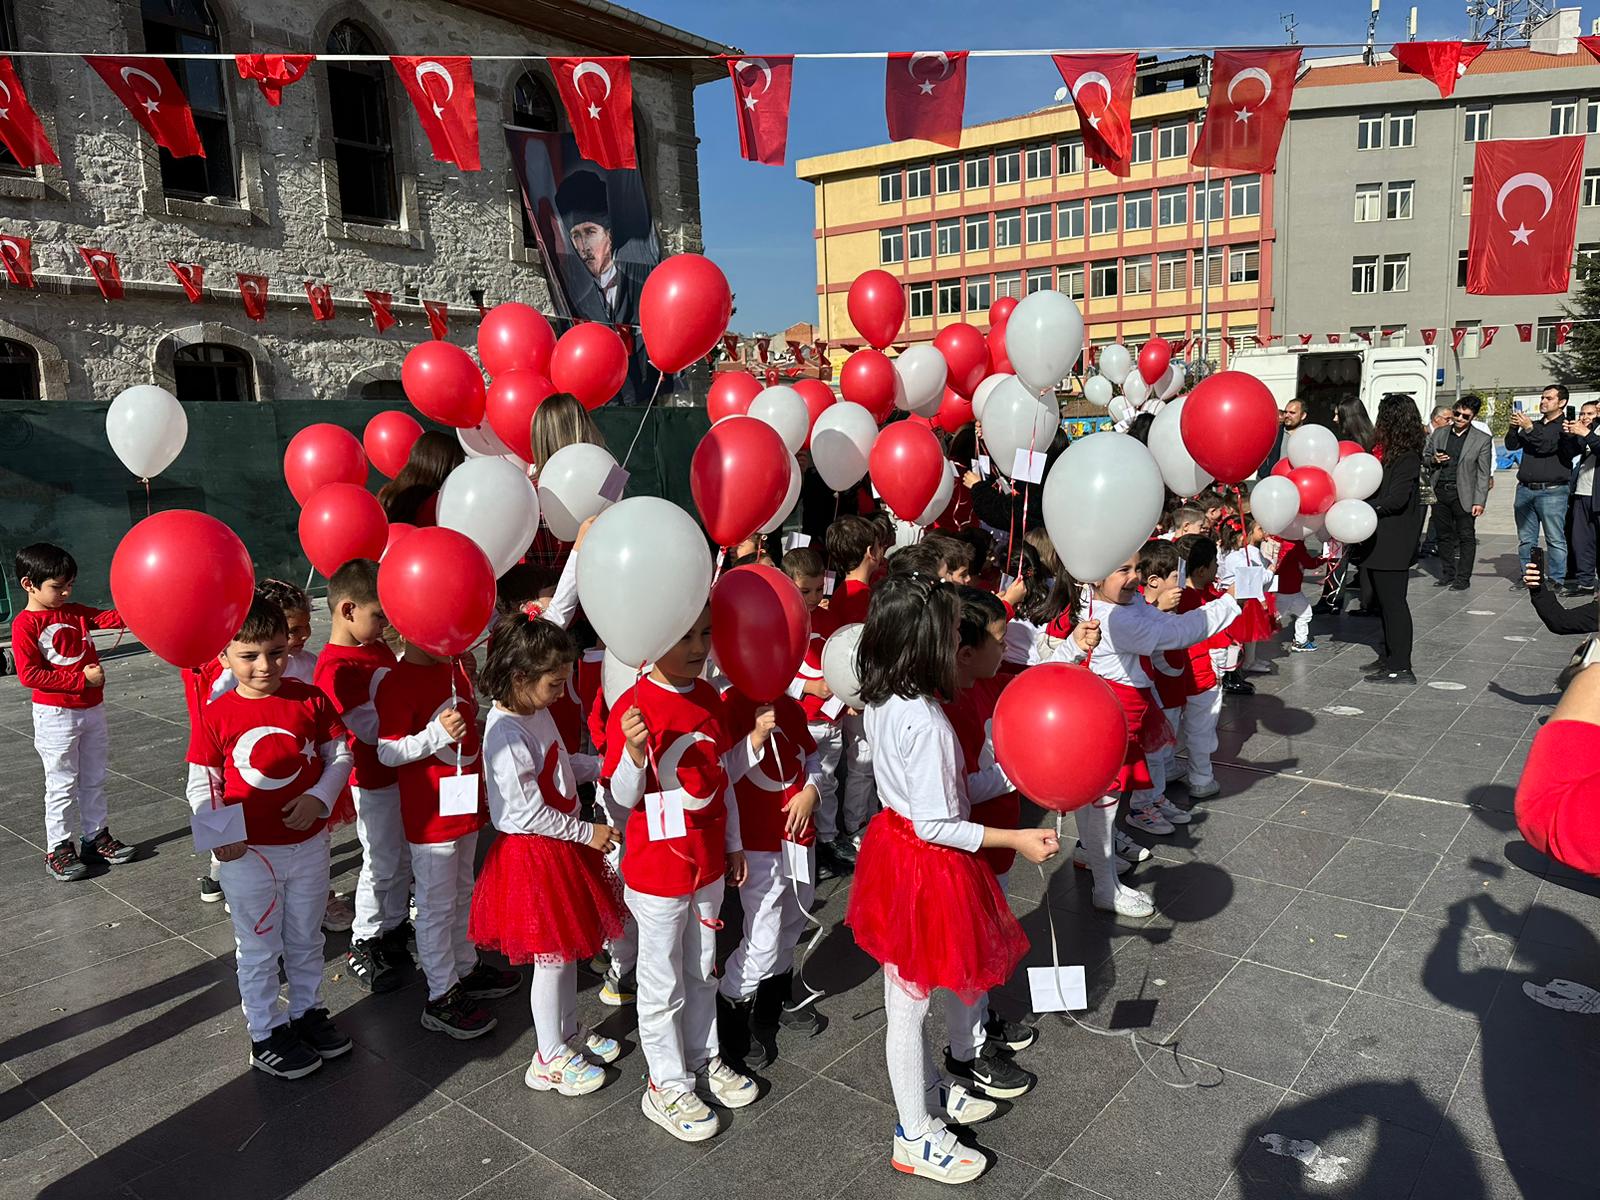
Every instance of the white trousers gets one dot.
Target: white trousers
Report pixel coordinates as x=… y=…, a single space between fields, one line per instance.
x=677 y=993
x=73 y=746
x=1097 y=823
x=1293 y=604
x=1199 y=725
x=913 y=1078
x=553 y=996
x=277 y=895
x=1160 y=764
x=830 y=748
x=1225 y=658
x=623 y=949
x=774 y=918
x=384 y=883
x=860 y=796
x=442 y=876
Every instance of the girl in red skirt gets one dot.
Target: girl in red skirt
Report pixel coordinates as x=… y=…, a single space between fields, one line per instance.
x=924 y=903
x=545 y=895
x=1241 y=546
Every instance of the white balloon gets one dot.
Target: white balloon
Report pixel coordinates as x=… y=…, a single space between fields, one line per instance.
x=790 y=498
x=941 y=498
x=1275 y=502
x=569 y=487
x=1182 y=474
x=1312 y=446
x=1097 y=390
x=1102 y=500
x=839 y=668
x=841 y=442
x=1351 y=521
x=1357 y=477
x=482 y=442
x=1044 y=337
x=1017 y=420
x=644 y=577
x=147 y=428
x=1135 y=390
x=1173 y=381
x=980 y=397
x=1302 y=526
x=494 y=504
x=920 y=374
x=785 y=410
x=1121 y=411
x=1115 y=363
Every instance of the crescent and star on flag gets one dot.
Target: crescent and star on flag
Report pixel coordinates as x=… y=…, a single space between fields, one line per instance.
x=1524 y=179
x=591 y=68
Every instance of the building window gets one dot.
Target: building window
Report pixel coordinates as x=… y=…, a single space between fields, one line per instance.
x=1103 y=280
x=947 y=177
x=1172 y=272
x=1136 y=277
x=532 y=107
x=1402 y=130
x=1472 y=341
x=1588 y=259
x=889 y=187
x=1208 y=202
x=891 y=245
x=1461 y=268
x=919 y=182
x=1069 y=158
x=1396 y=272
x=1213 y=269
x=1039 y=280
x=977 y=173
x=948 y=236
x=1174 y=141
x=1400 y=200
x=358 y=98
x=1247 y=196
x=1476 y=127
x=919 y=243
x=1369 y=202
x=1007 y=167
x=1136 y=210
x=8 y=41
x=1141 y=149
x=1369 y=132
x=1069 y=281
x=1591 y=187
x=187 y=27
x=208 y=371
x=1544 y=337
x=1396 y=337
x=949 y=297
x=1563 y=117
x=1591 y=117
x=19 y=371
x=1039 y=223
x=977 y=233
x=978 y=294
x=383 y=391
x=1008 y=283
x=1244 y=264
x=920 y=296
x=1040 y=160
x=1069 y=219
x=1172 y=206
x=1364 y=274
x=1008 y=228
x=1466 y=196
x=1103 y=215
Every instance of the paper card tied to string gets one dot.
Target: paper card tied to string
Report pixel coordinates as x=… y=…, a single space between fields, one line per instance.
x=1183 y=574
x=458 y=795
x=1029 y=467
x=663 y=816
x=829 y=580
x=221 y=826
x=1057 y=989
x=832 y=707
x=796 y=862
x=1006 y=581
x=796 y=541
x=1249 y=584
x=980 y=464
x=611 y=489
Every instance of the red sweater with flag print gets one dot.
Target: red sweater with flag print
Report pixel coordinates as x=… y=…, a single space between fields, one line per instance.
x=351 y=676
x=779 y=774
x=824 y=621
x=53 y=649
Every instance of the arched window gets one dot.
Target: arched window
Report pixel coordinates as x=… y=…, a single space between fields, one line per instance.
x=209 y=371
x=359 y=109
x=187 y=27
x=19 y=371
x=384 y=391
x=533 y=107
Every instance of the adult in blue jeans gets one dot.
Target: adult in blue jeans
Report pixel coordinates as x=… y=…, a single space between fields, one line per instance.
x=1542 y=480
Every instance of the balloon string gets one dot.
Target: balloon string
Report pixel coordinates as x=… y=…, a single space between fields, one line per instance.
x=310 y=575
x=818 y=928
x=455 y=665
x=643 y=418
x=147 y=505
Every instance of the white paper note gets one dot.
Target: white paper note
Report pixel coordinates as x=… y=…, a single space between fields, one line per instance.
x=1248 y=584
x=458 y=795
x=796 y=541
x=663 y=816
x=213 y=827
x=1056 y=989
x=828 y=581
x=1028 y=467
x=796 y=862
x=832 y=707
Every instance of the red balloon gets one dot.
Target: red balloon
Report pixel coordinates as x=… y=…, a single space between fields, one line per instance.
x=1060 y=734
x=759 y=630
x=591 y=362
x=1154 y=356
x=819 y=398
x=877 y=307
x=321 y=454
x=513 y=396
x=730 y=394
x=397 y=530
x=999 y=364
x=904 y=465
x=1282 y=467
x=738 y=476
x=684 y=310
x=182 y=581
x=1000 y=311
x=443 y=382
x=442 y=620
x=1230 y=421
x=1347 y=448
x=388 y=439
x=868 y=379
x=955 y=410
x=1316 y=489
x=514 y=337
x=341 y=521
x=966 y=354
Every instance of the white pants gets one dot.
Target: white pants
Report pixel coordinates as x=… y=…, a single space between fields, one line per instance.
x=860 y=797
x=774 y=918
x=830 y=747
x=1160 y=765
x=553 y=995
x=1199 y=725
x=1097 y=823
x=1225 y=658
x=1293 y=604
x=442 y=875
x=73 y=745
x=677 y=994
x=277 y=895
x=913 y=1077
x=384 y=883
x=623 y=949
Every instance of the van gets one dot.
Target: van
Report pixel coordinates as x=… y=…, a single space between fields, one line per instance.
x=1322 y=376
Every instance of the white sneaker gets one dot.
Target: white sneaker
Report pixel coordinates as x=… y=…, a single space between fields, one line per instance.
x=938 y=1156
x=682 y=1114
x=1173 y=814
x=1204 y=791
x=596 y=1046
x=338 y=916
x=1080 y=859
x=1129 y=849
x=727 y=1087
x=568 y=1074
x=951 y=1101
x=1148 y=820
x=1125 y=902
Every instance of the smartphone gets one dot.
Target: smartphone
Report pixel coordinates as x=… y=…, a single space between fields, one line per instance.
x=1516 y=407
x=1536 y=561
x=1572 y=412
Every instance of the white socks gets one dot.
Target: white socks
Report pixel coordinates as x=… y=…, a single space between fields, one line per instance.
x=911 y=1072
x=554 y=999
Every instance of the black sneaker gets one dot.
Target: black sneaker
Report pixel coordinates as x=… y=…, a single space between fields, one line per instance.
x=395 y=945
x=1235 y=684
x=63 y=862
x=316 y=1029
x=733 y=1027
x=845 y=847
x=1008 y=1035
x=991 y=1073
x=370 y=967
x=805 y=1020
x=210 y=890
x=830 y=864
x=458 y=1015
x=283 y=1054
x=107 y=848
x=488 y=982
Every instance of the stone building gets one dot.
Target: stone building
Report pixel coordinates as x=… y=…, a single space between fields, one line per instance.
x=338 y=184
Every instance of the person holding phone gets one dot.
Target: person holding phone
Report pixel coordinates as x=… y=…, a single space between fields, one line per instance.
x=1542 y=479
x=1582 y=425
x=1458 y=460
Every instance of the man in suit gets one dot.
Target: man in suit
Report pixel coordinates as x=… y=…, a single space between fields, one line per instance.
x=1582 y=513
x=1460 y=459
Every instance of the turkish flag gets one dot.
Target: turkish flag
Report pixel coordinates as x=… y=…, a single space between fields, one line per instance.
x=1488 y=336
x=1457 y=336
x=761 y=106
x=730 y=345
x=1442 y=62
x=1231 y=343
x=1305 y=338
x=442 y=93
x=17 y=254
x=1390 y=330
x=382 y=310
x=438 y=317
x=1563 y=331
x=1333 y=339
x=925 y=95
x=1428 y=336
x=1592 y=45
x=1102 y=92
x=148 y=90
x=273 y=72
x=1247 y=110
x=321 y=300
x=20 y=128
x=253 y=291
x=598 y=96
x=761 y=348
x=1525 y=222
x=1364 y=336
x=1265 y=340
x=1525 y=330
x=102 y=265
x=192 y=276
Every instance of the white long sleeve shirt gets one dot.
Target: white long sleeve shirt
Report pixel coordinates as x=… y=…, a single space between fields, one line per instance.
x=531 y=780
x=563 y=605
x=1131 y=631
x=205 y=783
x=916 y=762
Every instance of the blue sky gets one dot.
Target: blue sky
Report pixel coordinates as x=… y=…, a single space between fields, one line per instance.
x=758 y=220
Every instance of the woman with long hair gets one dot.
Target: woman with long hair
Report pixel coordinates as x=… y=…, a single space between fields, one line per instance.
x=1352 y=424
x=561 y=420
x=408 y=495
x=1388 y=554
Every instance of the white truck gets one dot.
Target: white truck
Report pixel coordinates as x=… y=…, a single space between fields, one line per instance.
x=1322 y=376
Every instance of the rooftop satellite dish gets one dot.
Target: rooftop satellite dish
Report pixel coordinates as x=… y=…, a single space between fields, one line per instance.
x=1062 y=94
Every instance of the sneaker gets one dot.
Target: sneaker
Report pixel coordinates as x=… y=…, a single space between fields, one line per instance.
x=1173 y=814
x=845 y=845
x=283 y=1054
x=337 y=917
x=953 y=1101
x=210 y=890
x=1461 y=585
x=458 y=1015
x=937 y=1156
x=488 y=982
x=991 y=1073
x=63 y=862
x=316 y=1029
x=1010 y=1035
x=727 y=1087
x=1148 y=819
x=1204 y=791
x=1400 y=677
x=831 y=864
x=682 y=1114
x=370 y=967
x=1125 y=902
x=395 y=945
x=596 y=1045
x=105 y=847
x=567 y=1074
x=1080 y=859
x=618 y=988
x=1309 y=646
x=806 y=1020
x=1129 y=849
x=1233 y=684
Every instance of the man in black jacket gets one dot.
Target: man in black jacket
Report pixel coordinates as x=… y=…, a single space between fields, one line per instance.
x=1542 y=480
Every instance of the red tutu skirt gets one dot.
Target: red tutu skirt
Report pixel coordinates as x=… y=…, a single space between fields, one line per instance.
x=1148 y=731
x=542 y=899
x=935 y=913
x=1253 y=624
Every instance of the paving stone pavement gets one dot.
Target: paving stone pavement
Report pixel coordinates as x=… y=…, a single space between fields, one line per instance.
x=1337 y=974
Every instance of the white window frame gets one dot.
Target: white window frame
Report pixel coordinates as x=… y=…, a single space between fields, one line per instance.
x=892 y=245
x=1041 y=162
x=1563 y=117
x=890 y=190
x=1544 y=335
x=919 y=300
x=1038 y=279
x=975 y=173
x=1008 y=228
x=947 y=297
x=1396 y=273
x=947 y=237
x=1071 y=151
x=1106 y=269
x=1142 y=277
x=1102 y=208
x=976 y=236
x=1172 y=206
x=1364 y=275
x=1069 y=220
x=980 y=293
x=919 y=181
x=1369 y=203
x=1142 y=148
x=1369 y=131
x=1466 y=196
x=1244 y=196
x=1591 y=187
x=1172 y=271
x=1007 y=167
x=1477 y=123
x=1174 y=141
x=1071 y=279
x=1239 y=260
x=1399 y=200
x=947 y=177
x=1402 y=131
x=919 y=237
x=1136 y=207
x=1008 y=283
x=1041 y=220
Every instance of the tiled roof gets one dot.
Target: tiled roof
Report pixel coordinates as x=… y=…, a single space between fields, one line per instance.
x=1490 y=62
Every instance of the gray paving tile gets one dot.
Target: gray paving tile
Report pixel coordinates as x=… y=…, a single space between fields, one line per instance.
x=1207 y=838
x=1152 y=986
x=1566 y=912
x=1452 y=1172
x=1244 y=793
x=1394 y=741
x=1375 y=873
x=60 y=1167
x=1262 y=1022
x=1215 y=908
x=1326 y=938
x=1331 y=809
x=1438 y=965
x=1419 y=824
x=1006 y=1179
x=537 y=1176
x=446 y=1154
x=1284 y=854
x=1478 y=891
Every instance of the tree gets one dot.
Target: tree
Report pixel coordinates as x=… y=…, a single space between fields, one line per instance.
x=1578 y=362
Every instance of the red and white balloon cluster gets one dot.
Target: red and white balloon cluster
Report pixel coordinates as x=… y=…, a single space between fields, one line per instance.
x=1322 y=485
x=1146 y=383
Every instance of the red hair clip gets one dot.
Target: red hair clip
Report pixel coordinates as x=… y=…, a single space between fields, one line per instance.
x=532 y=610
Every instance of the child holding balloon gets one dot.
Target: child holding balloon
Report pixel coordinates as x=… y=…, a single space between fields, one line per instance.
x=805 y=567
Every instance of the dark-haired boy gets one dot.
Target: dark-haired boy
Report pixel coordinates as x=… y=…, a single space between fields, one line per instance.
x=54 y=651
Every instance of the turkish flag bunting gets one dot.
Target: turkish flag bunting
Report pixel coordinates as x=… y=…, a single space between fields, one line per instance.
x=1525 y=331
x=102 y=265
x=1333 y=339
x=1429 y=336
x=1305 y=338
x=1442 y=62
x=761 y=348
x=1563 y=331
x=17 y=254
x=772 y=377
x=598 y=95
x=1592 y=45
x=1488 y=336
x=761 y=106
x=273 y=72
x=824 y=365
x=20 y=129
x=730 y=345
x=441 y=91
x=148 y=90
x=1247 y=110
x=382 y=310
x=253 y=291
x=1364 y=336
x=1102 y=92
x=1265 y=340
x=1232 y=343
x=321 y=300
x=925 y=95
x=1457 y=336
x=1524 y=225
x=192 y=276
x=438 y=317
x=794 y=350
x=1391 y=330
